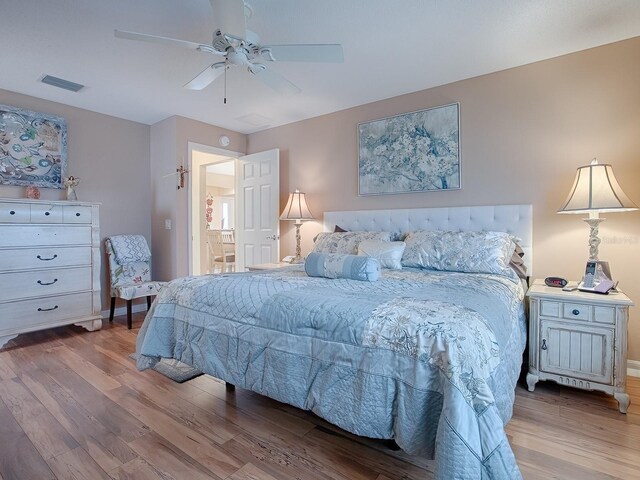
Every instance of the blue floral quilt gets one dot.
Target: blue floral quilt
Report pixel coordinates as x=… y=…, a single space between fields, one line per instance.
x=427 y=358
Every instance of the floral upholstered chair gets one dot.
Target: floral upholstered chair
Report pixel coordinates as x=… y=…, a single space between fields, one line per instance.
x=130 y=271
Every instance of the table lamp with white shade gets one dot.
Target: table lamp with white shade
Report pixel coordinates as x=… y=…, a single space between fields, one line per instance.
x=297 y=210
x=596 y=190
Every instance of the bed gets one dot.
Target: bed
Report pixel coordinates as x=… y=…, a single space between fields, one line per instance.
x=427 y=358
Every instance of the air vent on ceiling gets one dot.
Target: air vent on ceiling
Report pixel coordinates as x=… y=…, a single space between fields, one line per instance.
x=62 y=83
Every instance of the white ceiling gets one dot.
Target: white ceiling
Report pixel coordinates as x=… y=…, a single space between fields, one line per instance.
x=391 y=47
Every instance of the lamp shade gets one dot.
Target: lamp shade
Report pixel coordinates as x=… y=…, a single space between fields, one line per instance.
x=596 y=189
x=297 y=208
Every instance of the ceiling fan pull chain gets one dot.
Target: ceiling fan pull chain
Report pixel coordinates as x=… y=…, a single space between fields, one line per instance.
x=225 y=83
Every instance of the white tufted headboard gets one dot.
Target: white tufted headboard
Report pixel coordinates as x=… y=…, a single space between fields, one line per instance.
x=514 y=219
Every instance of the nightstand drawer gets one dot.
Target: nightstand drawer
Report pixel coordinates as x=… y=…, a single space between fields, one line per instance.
x=604 y=315
x=550 y=309
x=576 y=311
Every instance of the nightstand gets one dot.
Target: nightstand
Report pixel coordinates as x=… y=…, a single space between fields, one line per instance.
x=579 y=339
x=267 y=266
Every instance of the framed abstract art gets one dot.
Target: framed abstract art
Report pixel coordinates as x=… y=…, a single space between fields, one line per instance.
x=411 y=152
x=33 y=148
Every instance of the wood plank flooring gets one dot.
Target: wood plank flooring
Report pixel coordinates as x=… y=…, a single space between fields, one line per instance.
x=73 y=406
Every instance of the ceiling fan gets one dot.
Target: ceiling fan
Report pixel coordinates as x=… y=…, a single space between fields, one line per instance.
x=237 y=46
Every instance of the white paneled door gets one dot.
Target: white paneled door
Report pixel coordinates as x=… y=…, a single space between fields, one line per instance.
x=257 y=194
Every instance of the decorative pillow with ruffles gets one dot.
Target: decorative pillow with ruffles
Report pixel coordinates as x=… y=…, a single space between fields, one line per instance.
x=346 y=242
x=470 y=252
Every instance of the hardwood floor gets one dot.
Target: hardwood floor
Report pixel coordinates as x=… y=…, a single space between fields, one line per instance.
x=73 y=406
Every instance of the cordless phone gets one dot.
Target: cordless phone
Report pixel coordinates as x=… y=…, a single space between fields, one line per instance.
x=589 y=275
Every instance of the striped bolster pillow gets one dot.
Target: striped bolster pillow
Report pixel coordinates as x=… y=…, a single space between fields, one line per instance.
x=337 y=265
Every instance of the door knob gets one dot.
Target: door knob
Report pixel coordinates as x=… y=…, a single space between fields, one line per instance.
x=273 y=237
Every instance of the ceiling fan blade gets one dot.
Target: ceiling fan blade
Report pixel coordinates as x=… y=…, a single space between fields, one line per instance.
x=229 y=17
x=208 y=75
x=273 y=79
x=162 y=40
x=330 y=53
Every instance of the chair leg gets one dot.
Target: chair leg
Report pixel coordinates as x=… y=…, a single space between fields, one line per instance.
x=129 y=322
x=148 y=302
x=113 y=308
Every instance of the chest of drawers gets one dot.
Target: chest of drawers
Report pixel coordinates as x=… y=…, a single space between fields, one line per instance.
x=49 y=266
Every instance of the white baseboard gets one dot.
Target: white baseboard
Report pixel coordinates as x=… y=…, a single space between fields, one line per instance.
x=633 y=368
x=135 y=308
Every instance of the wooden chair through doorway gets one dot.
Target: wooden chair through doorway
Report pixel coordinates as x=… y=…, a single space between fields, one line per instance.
x=222 y=250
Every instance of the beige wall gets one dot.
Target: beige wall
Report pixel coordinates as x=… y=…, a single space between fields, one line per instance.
x=524 y=132
x=111 y=157
x=169 y=148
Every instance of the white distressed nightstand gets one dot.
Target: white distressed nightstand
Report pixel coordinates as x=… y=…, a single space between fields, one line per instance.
x=579 y=339
x=267 y=266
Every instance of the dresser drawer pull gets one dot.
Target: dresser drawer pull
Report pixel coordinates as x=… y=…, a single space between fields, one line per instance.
x=50 y=283
x=55 y=255
x=47 y=309
x=77 y=214
x=46 y=214
x=12 y=212
x=544 y=344
x=575 y=311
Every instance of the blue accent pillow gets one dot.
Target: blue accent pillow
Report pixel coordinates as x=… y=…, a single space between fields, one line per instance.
x=337 y=265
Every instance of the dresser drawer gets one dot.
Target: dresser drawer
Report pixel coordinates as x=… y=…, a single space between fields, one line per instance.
x=35 y=235
x=76 y=214
x=14 y=212
x=46 y=213
x=25 y=314
x=52 y=281
x=44 y=257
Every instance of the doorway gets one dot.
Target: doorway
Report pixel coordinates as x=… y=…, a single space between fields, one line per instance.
x=212 y=201
x=251 y=209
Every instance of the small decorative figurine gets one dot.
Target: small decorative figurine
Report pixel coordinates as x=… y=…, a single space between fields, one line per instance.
x=71 y=183
x=33 y=192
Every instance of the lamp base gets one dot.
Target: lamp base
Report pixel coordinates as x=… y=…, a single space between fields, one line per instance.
x=594 y=240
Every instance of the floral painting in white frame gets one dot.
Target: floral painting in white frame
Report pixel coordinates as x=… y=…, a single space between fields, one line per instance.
x=33 y=148
x=411 y=152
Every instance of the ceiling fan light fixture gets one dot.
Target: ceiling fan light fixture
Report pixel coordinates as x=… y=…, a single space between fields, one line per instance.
x=241 y=47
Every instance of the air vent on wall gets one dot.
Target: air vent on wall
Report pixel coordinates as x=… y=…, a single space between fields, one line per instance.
x=62 y=83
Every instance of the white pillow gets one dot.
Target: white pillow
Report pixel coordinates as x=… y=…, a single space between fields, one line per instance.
x=389 y=254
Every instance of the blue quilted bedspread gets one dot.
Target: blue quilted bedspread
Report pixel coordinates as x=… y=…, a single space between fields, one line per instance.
x=429 y=359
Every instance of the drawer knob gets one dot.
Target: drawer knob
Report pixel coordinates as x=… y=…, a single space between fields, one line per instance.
x=47 y=309
x=77 y=214
x=12 y=212
x=575 y=311
x=55 y=255
x=544 y=344
x=49 y=283
x=46 y=214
